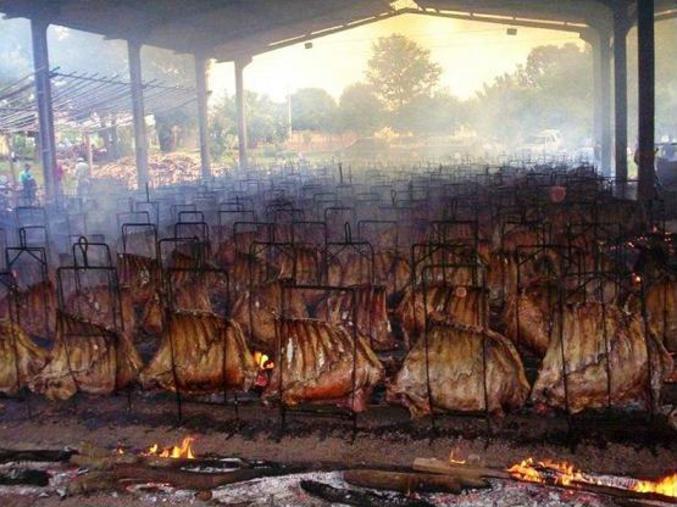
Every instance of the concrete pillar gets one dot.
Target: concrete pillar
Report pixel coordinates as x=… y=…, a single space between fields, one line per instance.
x=138 y=113
x=202 y=115
x=43 y=92
x=621 y=27
x=647 y=98
x=605 y=109
x=241 y=113
x=600 y=41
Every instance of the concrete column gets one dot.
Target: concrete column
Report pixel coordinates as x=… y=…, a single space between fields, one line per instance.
x=647 y=98
x=241 y=113
x=202 y=115
x=621 y=27
x=138 y=113
x=605 y=109
x=600 y=41
x=43 y=91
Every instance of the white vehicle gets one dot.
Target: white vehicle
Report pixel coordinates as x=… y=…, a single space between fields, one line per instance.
x=547 y=142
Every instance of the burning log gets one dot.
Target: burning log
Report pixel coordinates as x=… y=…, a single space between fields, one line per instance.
x=359 y=498
x=15 y=477
x=403 y=482
x=561 y=475
x=43 y=455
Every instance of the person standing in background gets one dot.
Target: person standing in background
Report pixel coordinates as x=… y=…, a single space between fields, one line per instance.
x=81 y=176
x=28 y=184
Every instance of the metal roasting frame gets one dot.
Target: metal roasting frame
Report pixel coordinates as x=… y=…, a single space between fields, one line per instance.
x=484 y=327
x=283 y=408
x=8 y=282
x=111 y=334
x=200 y=271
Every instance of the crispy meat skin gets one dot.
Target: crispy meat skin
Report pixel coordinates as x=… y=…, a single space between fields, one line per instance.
x=444 y=302
x=317 y=365
x=456 y=375
x=84 y=358
x=16 y=344
x=586 y=360
x=266 y=302
x=199 y=341
x=372 y=316
x=36 y=303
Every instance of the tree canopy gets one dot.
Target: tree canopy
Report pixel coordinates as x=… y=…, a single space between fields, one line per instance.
x=400 y=71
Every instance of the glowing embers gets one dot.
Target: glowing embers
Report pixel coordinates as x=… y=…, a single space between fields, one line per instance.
x=184 y=451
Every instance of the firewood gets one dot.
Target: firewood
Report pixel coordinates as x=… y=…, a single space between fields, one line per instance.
x=189 y=480
x=103 y=462
x=403 y=482
x=468 y=472
x=24 y=478
x=359 y=498
x=43 y=455
x=91 y=483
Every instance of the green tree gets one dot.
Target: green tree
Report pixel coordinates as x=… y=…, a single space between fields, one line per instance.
x=440 y=113
x=401 y=71
x=360 y=110
x=552 y=90
x=313 y=109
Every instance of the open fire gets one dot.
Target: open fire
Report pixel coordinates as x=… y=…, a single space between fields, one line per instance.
x=263 y=361
x=184 y=451
x=566 y=474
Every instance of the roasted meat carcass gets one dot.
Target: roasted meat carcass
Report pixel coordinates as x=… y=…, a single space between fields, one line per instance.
x=457 y=381
x=20 y=358
x=372 y=317
x=209 y=352
x=350 y=268
x=265 y=303
x=99 y=305
x=37 y=309
x=392 y=270
x=303 y=264
x=462 y=304
x=631 y=354
x=88 y=358
x=189 y=296
x=316 y=366
x=141 y=275
x=661 y=309
x=528 y=317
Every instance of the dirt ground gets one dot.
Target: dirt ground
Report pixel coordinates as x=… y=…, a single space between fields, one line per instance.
x=385 y=436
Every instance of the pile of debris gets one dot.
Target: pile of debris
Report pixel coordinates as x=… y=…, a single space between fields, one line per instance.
x=167 y=169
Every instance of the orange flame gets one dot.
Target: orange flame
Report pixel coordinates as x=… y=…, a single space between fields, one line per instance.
x=666 y=486
x=185 y=451
x=263 y=361
x=566 y=474
x=455 y=461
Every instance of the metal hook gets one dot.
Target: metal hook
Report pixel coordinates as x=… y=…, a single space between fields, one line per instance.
x=348 y=232
x=83 y=244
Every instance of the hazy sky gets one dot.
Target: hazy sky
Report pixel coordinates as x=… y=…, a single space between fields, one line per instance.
x=470 y=53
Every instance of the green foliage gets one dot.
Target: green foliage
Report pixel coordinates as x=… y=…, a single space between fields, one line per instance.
x=360 y=110
x=313 y=109
x=552 y=90
x=400 y=71
x=440 y=113
x=266 y=123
